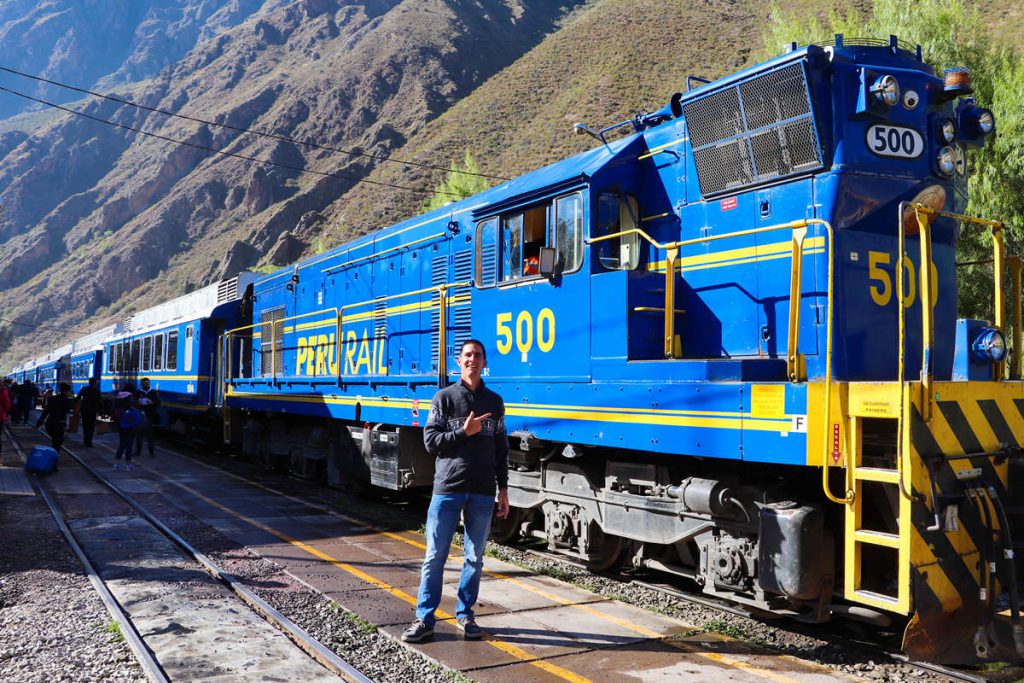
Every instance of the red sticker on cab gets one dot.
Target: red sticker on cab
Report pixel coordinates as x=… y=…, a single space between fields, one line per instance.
x=730 y=203
x=836 y=452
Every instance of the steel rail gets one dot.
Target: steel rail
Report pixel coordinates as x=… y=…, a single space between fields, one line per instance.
x=150 y=666
x=811 y=630
x=295 y=633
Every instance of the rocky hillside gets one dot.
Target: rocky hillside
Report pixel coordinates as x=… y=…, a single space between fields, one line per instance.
x=100 y=220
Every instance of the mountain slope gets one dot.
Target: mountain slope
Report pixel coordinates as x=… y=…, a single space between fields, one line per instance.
x=98 y=221
x=362 y=76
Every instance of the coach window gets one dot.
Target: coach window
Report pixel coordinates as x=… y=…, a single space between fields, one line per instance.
x=136 y=356
x=189 y=334
x=147 y=353
x=158 y=351
x=172 y=350
x=617 y=212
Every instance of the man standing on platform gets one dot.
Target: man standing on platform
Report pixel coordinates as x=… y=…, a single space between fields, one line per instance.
x=149 y=401
x=89 y=406
x=466 y=433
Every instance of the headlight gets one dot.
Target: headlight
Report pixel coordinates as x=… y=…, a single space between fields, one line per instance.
x=947 y=129
x=986 y=122
x=947 y=161
x=976 y=122
x=887 y=90
x=989 y=345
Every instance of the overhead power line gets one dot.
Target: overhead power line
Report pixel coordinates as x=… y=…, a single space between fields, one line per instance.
x=226 y=153
x=42 y=327
x=273 y=136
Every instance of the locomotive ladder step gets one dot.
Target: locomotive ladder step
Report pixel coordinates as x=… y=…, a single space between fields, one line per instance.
x=872 y=596
x=877 y=538
x=872 y=555
x=884 y=476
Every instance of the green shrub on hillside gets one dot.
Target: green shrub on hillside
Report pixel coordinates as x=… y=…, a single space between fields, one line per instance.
x=460 y=183
x=950 y=34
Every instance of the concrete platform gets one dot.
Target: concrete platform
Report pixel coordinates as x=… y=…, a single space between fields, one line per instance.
x=538 y=629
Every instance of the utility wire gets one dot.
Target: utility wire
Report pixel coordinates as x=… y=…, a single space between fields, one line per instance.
x=273 y=136
x=42 y=327
x=225 y=152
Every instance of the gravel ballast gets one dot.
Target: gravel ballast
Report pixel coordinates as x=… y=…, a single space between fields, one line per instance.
x=53 y=626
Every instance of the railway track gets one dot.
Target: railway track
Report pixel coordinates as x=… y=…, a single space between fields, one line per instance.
x=878 y=651
x=176 y=608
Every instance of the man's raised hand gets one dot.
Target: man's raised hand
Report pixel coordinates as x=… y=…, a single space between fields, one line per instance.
x=473 y=424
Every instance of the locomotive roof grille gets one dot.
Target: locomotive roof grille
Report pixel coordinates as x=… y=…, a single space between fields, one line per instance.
x=892 y=42
x=753 y=132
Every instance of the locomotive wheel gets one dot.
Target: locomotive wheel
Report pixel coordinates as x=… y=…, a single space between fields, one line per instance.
x=505 y=530
x=604 y=550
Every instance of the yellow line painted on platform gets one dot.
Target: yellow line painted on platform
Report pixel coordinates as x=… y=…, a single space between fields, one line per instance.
x=384 y=586
x=725 y=660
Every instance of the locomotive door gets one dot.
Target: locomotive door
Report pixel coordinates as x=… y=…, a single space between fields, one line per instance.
x=534 y=328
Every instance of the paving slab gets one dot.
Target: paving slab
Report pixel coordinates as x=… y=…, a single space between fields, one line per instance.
x=449 y=648
x=14 y=482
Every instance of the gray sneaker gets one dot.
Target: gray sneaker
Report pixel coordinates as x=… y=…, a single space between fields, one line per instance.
x=470 y=631
x=417 y=631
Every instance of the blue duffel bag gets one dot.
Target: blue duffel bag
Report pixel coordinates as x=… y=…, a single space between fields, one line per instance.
x=42 y=460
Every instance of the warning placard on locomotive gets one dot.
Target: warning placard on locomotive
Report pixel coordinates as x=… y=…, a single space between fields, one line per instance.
x=767 y=400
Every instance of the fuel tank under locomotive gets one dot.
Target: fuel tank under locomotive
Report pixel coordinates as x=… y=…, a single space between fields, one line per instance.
x=739 y=542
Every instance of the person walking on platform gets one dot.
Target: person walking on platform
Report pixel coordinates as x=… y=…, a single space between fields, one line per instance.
x=149 y=401
x=5 y=406
x=55 y=415
x=465 y=431
x=127 y=417
x=29 y=394
x=89 y=406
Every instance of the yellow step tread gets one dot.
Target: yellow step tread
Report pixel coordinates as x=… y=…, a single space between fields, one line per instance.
x=878 y=474
x=877 y=538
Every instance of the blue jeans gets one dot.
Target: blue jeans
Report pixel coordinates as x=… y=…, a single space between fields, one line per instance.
x=442 y=518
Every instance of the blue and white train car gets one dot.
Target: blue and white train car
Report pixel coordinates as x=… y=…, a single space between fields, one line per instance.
x=54 y=369
x=87 y=356
x=174 y=344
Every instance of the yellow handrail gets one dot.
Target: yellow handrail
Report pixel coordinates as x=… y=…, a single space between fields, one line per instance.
x=671 y=249
x=998 y=267
x=338 y=314
x=1014 y=263
x=793 y=360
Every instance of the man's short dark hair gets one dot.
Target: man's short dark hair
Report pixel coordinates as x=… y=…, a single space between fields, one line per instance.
x=479 y=343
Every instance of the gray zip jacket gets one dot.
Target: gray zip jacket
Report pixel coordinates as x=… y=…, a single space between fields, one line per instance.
x=467 y=464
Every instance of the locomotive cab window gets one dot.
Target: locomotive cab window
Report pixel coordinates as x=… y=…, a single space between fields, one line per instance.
x=617 y=212
x=508 y=249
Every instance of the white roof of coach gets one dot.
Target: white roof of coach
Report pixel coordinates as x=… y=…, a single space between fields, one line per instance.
x=193 y=306
x=94 y=341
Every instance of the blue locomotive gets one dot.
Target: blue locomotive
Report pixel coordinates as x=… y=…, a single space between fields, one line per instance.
x=720 y=354
x=711 y=340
